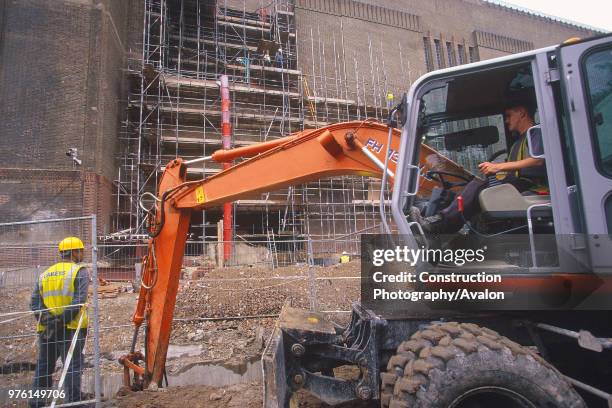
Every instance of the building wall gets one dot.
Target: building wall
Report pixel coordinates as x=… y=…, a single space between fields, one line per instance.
x=62 y=80
x=392 y=32
x=360 y=51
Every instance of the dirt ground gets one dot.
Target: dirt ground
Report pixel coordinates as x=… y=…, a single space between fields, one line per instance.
x=202 y=333
x=199 y=396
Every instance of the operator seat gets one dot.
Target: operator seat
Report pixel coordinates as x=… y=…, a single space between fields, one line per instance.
x=504 y=201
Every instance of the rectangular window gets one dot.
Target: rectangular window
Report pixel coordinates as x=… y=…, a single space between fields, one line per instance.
x=450 y=139
x=438 y=47
x=598 y=72
x=428 y=58
x=450 y=54
x=461 y=53
x=473 y=54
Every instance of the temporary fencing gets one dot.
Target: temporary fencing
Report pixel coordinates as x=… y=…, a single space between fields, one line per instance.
x=254 y=284
x=29 y=374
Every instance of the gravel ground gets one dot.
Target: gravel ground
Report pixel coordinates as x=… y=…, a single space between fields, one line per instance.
x=229 y=292
x=200 y=396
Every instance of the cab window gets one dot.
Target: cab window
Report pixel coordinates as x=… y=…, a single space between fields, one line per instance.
x=468 y=142
x=597 y=66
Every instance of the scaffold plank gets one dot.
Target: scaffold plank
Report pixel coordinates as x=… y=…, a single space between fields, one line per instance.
x=174 y=81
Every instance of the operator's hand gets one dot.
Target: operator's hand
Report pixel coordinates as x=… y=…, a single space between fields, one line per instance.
x=489 y=168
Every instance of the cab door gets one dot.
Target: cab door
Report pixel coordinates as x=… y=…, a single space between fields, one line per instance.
x=586 y=77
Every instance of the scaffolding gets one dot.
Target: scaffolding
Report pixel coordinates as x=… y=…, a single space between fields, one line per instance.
x=174 y=110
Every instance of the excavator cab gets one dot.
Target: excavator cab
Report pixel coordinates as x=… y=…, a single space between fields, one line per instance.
x=462 y=116
x=468 y=127
x=459 y=112
x=569 y=89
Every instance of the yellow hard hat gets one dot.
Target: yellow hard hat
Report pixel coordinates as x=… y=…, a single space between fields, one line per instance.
x=70 y=243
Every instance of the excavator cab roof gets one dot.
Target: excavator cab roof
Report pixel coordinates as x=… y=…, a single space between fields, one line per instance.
x=456 y=97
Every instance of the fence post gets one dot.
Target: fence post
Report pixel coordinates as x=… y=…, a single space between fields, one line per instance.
x=311 y=277
x=96 y=340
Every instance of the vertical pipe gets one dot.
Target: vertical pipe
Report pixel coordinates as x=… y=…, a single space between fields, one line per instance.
x=199 y=40
x=358 y=97
x=178 y=87
x=312 y=283
x=314 y=77
x=145 y=58
x=372 y=76
x=226 y=132
x=346 y=96
x=338 y=96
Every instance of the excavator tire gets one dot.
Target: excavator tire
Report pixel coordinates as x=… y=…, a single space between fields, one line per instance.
x=462 y=365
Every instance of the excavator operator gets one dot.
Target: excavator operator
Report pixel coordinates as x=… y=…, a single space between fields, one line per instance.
x=527 y=174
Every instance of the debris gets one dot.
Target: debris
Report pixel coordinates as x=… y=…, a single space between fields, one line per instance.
x=215 y=396
x=260 y=340
x=106 y=289
x=224 y=293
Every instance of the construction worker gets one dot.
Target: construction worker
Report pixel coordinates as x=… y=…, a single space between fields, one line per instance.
x=345 y=258
x=266 y=58
x=58 y=302
x=527 y=174
x=278 y=58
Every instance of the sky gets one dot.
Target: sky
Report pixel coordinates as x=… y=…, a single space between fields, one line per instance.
x=596 y=13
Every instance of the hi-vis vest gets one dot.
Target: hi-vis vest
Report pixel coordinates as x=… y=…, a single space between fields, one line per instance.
x=57 y=290
x=519 y=151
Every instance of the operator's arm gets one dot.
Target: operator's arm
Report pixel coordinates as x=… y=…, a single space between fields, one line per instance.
x=81 y=285
x=492 y=168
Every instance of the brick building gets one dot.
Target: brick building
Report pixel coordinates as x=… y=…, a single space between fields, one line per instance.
x=62 y=78
x=131 y=84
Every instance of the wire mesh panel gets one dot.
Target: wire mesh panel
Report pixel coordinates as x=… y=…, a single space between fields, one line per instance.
x=48 y=313
x=228 y=312
x=225 y=309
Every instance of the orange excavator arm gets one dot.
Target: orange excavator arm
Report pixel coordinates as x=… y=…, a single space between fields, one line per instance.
x=351 y=148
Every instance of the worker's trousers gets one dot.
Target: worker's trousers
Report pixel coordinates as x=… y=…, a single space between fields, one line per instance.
x=49 y=349
x=453 y=221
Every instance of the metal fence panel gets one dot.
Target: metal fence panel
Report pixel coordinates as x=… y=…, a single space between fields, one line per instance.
x=249 y=290
x=27 y=249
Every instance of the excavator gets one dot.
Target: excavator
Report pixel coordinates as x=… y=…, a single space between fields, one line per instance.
x=532 y=351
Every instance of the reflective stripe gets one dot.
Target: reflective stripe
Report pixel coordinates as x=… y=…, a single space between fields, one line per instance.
x=69 y=278
x=521 y=153
x=62 y=292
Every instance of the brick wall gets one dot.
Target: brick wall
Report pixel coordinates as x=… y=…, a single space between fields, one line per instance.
x=35 y=194
x=45 y=52
x=389 y=17
x=394 y=31
x=321 y=35
x=62 y=76
x=96 y=186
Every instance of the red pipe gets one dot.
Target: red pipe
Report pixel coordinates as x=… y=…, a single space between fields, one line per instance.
x=226 y=132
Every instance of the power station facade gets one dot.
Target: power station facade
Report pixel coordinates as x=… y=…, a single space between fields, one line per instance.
x=97 y=96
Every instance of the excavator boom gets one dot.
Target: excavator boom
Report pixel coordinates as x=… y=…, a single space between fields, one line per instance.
x=351 y=148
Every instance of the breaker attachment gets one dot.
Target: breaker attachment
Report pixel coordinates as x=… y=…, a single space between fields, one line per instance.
x=304 y=349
